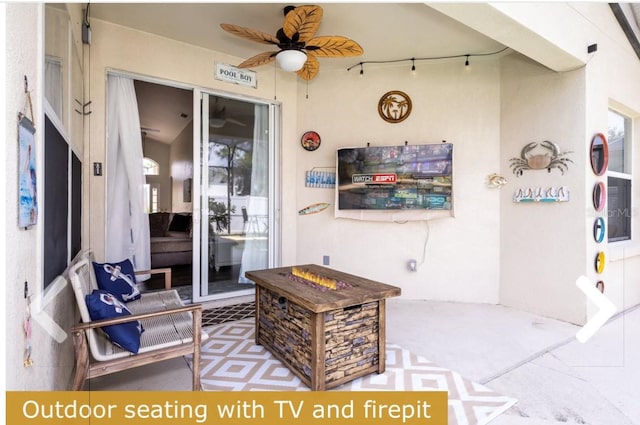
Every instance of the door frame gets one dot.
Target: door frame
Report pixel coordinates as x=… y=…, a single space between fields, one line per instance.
x=275 y=164
x=200 y=179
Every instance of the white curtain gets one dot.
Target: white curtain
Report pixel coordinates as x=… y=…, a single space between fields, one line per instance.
x=255 y=254
x=127 y=224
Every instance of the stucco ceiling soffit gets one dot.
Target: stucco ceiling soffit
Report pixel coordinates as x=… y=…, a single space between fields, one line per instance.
x=628 y=16
x=507 y=24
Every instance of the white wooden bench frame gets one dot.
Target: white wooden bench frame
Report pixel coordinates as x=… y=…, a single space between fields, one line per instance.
x=155 y=310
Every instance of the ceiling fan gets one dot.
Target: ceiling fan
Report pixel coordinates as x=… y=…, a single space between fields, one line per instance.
x=219 y=119
x=299 y=49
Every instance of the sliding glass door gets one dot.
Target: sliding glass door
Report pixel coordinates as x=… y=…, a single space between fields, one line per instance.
x=235 y=195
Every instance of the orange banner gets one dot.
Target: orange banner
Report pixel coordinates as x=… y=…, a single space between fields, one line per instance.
x=226 y=408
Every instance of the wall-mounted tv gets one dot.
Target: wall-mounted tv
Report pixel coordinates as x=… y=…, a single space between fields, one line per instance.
x=408 y=177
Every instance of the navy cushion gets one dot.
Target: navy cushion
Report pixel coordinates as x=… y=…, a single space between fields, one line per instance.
x=118 y=279
x=103 y=305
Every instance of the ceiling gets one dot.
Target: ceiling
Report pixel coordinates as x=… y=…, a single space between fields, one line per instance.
x=384 y=30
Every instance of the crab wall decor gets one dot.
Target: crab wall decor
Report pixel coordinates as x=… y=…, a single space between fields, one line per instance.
x=540 y=156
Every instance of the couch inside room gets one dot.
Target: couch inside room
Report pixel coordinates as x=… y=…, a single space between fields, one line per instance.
x=171 y=239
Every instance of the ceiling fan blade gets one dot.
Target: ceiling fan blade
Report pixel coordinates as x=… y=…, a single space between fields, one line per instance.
x=155 y=130
x=333 y=46
x=303 y=20
x=250 y=34
x=259 y=60
x=310 y=68
x=236 y=122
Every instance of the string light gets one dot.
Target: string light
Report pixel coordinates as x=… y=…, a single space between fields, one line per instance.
x=414 y=59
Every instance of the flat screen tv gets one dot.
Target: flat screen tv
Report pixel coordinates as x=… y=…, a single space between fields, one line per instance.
x=408 y=177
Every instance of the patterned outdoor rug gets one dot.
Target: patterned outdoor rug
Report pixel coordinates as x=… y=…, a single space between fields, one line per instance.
x=231 y=361
x=229 y=313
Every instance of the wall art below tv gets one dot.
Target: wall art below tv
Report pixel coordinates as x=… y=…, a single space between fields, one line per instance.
x=407 y=177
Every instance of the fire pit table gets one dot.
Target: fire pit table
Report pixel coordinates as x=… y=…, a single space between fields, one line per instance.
x=326 y=326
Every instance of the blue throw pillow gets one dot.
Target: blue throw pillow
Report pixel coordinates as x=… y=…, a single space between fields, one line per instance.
x=118 y=279
x=103 y=305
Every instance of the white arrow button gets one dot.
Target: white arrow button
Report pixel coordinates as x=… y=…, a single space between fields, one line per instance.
x=606 y=309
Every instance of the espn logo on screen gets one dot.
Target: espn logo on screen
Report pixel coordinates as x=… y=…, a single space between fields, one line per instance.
x=381 y=178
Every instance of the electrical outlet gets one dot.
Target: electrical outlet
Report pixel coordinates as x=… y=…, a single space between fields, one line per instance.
x=325 y=260
x=412 y=265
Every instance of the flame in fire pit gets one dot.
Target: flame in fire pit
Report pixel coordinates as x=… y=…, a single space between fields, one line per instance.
x=314 y=277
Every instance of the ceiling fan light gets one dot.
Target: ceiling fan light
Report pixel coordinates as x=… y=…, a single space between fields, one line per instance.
x=291 y=60
x=216 y=122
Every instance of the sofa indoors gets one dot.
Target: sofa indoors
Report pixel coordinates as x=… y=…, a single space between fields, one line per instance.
x=171 y=239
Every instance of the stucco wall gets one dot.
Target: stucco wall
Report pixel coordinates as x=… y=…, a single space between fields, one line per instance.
x=53 y=361
x=449 y=103
x=612 y=79
x=542 y=243
x=573 y=107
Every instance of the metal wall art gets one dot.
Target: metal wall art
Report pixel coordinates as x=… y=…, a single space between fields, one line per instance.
x=394 y=106
x=540 y=156
x=496 y=181
x=539 y=194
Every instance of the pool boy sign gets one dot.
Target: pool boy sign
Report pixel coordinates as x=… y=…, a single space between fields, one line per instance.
x=231 y=74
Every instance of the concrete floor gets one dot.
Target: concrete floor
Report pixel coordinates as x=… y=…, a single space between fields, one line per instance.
x=556 y=379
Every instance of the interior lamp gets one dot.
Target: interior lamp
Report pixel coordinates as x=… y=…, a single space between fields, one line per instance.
x=291 y=60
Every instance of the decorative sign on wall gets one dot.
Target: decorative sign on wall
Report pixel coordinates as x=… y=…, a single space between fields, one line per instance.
x=314 y=208
x=394 y=106
x=27 y=190
x=320 y=179
x=231 y=74
x=310 y=141
x=539 y=194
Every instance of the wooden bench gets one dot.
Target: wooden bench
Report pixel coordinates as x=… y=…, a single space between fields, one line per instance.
x=171 y=330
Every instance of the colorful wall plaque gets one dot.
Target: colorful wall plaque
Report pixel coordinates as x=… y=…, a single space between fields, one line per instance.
x=600 y=262
x=599 y=154
x=599 y=229
x=599 y=196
